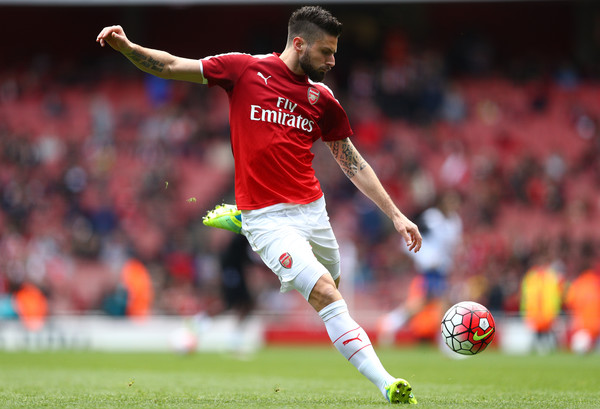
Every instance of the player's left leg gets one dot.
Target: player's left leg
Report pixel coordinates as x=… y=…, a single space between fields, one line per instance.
x=321 y=291
x=351 y=340
x=297 y=244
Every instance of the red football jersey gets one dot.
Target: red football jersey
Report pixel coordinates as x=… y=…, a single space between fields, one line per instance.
x=275 y=116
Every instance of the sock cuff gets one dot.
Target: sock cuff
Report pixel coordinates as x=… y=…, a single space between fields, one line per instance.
x=334 y=309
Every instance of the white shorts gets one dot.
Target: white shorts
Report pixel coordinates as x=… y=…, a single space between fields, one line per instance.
x=295 y=241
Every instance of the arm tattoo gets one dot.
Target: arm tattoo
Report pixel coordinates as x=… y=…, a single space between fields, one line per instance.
x=347 y=156
x=146 y=61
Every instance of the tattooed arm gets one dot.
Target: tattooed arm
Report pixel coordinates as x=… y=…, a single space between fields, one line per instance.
x=155 y=62
x=364 y=178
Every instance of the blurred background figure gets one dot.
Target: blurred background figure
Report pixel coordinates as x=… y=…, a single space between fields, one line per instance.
x=227 y=320
x=138 y=284
x=31 y=306
x=133 y=295
x=237 y=299
x=541 y=302
x=583 y=302
x=27 y=303
x=234 y=266
x=441 y=227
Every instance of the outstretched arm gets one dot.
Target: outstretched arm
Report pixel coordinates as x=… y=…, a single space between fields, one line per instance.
x=155 y=62
x=365 y=179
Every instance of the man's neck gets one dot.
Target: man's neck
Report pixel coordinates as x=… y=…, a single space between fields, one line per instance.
x=290 y=58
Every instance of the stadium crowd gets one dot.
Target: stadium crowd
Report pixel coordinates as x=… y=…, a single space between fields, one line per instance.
x=104 y=180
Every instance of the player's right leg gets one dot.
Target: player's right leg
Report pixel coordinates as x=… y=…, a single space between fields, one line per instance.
x=224 y=216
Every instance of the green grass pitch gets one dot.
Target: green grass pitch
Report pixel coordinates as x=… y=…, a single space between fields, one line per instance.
x=292 y=378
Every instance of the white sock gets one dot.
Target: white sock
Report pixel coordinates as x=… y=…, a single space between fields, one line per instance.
x=353 y=342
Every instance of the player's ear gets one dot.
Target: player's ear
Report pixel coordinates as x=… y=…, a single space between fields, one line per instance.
x=299 y=44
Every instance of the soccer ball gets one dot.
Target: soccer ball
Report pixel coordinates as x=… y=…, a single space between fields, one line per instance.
x=468 y=328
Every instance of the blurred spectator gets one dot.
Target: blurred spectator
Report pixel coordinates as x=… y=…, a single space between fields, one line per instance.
x=31 y=306
x=234 y=262
x=541 y=302
x=140 y=293
x=583 y=302
x=133 y=293
x=442 y=228
x=454 y=108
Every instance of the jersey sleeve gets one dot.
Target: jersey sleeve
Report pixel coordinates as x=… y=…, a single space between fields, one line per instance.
x=224 y=69
x=334 y=123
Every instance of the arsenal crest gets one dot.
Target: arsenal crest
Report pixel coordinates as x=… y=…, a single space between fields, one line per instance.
x=313 y=95
x=285 y=260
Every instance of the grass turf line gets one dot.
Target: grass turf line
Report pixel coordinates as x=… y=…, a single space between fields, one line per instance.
x=292 y=378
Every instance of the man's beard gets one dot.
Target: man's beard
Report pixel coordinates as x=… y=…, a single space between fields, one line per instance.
x=312 y=72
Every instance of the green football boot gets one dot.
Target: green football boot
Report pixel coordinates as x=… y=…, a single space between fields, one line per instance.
x=224 y=216
x=400 y=391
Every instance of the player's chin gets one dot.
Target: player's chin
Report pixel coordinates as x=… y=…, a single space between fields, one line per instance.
x=318 y=75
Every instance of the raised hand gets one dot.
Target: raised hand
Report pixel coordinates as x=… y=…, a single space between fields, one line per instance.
x=115 y=37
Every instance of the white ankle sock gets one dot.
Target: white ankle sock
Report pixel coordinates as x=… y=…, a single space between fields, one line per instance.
x=353 y=342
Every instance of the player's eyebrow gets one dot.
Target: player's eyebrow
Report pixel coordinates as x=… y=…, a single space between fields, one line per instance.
x=328 y=49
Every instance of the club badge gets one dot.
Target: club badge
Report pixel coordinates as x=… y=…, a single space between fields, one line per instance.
x=313 y=95
x=285 y=260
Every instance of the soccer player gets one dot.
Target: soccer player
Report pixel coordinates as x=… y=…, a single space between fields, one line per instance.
x=278 y=109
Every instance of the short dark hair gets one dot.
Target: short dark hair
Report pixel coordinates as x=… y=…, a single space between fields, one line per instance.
x=309 y=22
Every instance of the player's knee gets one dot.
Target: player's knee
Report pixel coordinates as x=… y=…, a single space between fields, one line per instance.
x=328 y=292
x=324 y=293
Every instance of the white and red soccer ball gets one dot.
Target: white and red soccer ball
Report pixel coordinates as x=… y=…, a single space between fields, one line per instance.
x=468 y=328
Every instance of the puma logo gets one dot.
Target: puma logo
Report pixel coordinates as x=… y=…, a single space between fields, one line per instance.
x=346 y=342
x=260 y=74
